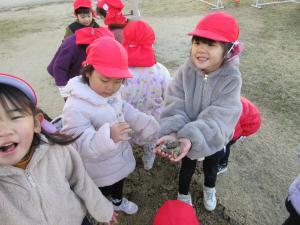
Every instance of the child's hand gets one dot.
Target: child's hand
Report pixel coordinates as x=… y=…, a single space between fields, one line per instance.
x=120 y=132
x=113 y=219
x=162 y=140
x=185 y=146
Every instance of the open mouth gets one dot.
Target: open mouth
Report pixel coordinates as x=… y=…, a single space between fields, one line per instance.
x=8 y=147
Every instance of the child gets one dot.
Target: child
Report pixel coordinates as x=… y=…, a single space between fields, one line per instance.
x=96 y=111
x=248 y=124
x=145 y=91
x=42 y=180
x=203 y=104
x=111 y=11
x=84 y=17
x=175 y=212
x=67 y=61
x=292 y=202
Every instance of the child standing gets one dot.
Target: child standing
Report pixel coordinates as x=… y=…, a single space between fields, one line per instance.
x=96 y=112
x=146 y=90
x=84 y=17
x=111 y=11
x=203 y=104
x=67 y=61
x=248 y=124
x=42 y=180
x=292 y=202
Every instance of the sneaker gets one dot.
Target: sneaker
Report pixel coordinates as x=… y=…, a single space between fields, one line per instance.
x=127 y=207
x=185 y=198
x=221 y=168
x=209 y=198
x=148 y=156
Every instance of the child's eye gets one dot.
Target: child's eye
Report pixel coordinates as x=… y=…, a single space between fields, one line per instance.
x=17 y=117
x=104 y=81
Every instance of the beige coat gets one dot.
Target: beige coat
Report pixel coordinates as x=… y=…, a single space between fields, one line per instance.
x=54 y=189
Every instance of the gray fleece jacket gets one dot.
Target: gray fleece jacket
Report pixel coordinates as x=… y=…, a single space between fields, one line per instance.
x=203 y=107
x=54 y=189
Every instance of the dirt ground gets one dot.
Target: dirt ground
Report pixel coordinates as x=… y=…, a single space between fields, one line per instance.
x=261 y=168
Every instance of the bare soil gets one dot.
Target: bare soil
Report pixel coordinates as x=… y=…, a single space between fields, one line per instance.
x=261 y=168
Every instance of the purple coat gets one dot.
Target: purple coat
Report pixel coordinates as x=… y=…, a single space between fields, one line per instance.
x=67 y=61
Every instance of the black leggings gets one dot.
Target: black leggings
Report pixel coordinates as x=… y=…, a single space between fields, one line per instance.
x=115 y=191
x=188 y=166
x=294 y=218
x=224 y=159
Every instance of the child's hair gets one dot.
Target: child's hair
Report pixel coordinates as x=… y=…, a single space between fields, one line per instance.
x=88 y=69
x=10 y=95
x=83 y=10
x=227 y=46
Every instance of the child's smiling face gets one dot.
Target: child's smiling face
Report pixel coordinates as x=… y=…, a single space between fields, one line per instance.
x=207 y=57
x=85 y=18
x=16 y=134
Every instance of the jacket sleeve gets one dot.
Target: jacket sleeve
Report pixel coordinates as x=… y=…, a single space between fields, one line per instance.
x=215 y=124
x=63 y=62
x=96 y=204
x=173 y=116
x=91 y=143
x=145 y=126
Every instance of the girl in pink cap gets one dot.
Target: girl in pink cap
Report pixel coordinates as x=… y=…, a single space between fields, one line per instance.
x=95 y=111
x=146 y=90
x=84 y=17
x=111 y=12
x=42 y=179
x=202 y=103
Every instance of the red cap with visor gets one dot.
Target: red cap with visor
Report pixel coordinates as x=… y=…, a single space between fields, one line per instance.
x=217 y=26
x=88 y=34
x=108 y=57
x=82 y=3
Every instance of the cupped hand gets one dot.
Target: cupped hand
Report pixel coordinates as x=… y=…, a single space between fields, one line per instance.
x=185 y=146
x=120 y=132
x=161 y=141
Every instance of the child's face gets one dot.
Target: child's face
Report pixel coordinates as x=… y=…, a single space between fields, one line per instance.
x=16 y=134
x=85 y=18
x=207 y=57
x=102 y=85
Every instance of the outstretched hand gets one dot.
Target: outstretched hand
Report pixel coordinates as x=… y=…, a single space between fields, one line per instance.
x=185 y=145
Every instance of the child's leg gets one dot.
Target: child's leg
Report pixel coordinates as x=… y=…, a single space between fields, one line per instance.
x=210 y=168
x=294 y=218
x=148 y=156
x=187 y=170
x=224 y=160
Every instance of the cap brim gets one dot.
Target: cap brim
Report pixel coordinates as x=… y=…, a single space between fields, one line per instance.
x=113 y=72
x=20 y=84
x=208 y=35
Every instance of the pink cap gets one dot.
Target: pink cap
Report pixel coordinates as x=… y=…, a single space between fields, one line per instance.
x=108 y=57
x=217 y=26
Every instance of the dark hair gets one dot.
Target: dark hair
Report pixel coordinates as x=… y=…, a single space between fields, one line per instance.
x=83 y=10
x=10 y=95
x=101 y=11
x=225 y=45
x=88 y=69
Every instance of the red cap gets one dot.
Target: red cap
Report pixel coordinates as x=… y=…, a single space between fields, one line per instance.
x=108 y=57
x=106 y=4
x=138 y=40
x=175 y=212
x=217 y=26
x=82 y=3
x=88 y=34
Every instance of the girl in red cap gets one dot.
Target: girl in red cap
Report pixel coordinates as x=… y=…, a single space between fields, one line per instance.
x=202 y=103
x=111 y=11
x=84 y=17
x=95 y=111
x=67 y=61
x=146 y=90
x=248 y=124
x=42 y=178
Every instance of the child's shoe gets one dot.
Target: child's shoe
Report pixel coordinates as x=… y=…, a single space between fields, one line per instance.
x=148 y=156
x=222 y=168
x=185 y=198
x=209 y=198
x=127 y=207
